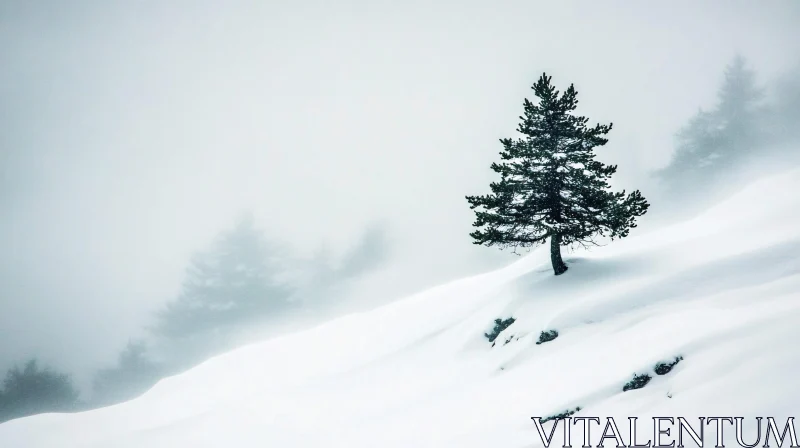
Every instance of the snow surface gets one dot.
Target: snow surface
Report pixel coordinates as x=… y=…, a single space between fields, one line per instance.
x=721 y=290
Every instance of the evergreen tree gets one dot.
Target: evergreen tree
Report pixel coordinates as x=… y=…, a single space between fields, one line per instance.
x=33 y=390
x=698 y=146
x=133 y=375
x=235 y=282
x=739 y=112
x=716 y=141
x=551 y=186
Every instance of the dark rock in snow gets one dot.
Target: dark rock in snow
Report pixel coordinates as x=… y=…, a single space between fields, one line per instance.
x=499 y=326
x=638 y=382
x=547 y=336
x=564 y=414
x=664 y=368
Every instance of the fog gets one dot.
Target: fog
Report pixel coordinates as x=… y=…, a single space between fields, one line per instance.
x=131 y=133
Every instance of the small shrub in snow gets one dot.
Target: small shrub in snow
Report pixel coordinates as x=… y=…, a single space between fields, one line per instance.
x=638 y=382
x=547 y=336
x=564 y=414
x=499 y=326
x=664 y=368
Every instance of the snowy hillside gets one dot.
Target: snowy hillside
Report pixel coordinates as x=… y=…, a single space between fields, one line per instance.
x=722 y=291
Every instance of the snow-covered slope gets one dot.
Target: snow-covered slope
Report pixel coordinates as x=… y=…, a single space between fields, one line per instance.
x=722 y=291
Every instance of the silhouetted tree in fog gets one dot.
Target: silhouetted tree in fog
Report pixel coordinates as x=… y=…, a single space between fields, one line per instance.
x=695 y=141
x=235 y=282
x=717 y=140
x=133 y=375
x=740 y=101
x=550 y=184
x=33 y=390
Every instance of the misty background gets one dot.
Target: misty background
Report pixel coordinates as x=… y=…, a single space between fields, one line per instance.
x=133 y=134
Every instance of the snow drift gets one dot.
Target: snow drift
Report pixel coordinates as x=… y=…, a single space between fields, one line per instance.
x=720 y=291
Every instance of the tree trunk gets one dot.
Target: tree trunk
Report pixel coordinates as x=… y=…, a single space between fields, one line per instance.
x=555 y=255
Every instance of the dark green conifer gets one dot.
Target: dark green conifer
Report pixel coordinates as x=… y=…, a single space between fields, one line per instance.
x=551 y=186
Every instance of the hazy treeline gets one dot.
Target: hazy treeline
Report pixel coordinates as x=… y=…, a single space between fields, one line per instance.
x=241 y=281
x=752 y=128
x=32 y=389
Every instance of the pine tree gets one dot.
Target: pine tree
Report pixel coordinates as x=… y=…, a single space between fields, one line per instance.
x=740 y=96
x=551 y=186
x=698 y=147
x=34 y=390
x=716 y=141
x=133 y=375
x=739 y=111
x=236 y=281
